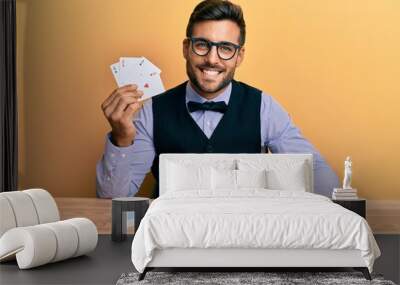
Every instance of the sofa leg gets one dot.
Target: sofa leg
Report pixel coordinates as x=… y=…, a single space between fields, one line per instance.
x=364 y=271
x=143 y=274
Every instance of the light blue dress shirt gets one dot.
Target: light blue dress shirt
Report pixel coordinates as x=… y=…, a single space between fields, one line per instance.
x=121 y=170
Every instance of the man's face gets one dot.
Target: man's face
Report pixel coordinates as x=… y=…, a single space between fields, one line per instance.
x=209 y=74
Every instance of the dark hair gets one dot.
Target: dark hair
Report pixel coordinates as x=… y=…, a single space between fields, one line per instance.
x=217 y=10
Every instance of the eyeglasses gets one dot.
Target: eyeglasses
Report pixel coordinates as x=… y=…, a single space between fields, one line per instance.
x=225 y=50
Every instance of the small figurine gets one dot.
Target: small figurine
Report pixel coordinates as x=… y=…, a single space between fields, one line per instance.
x=347 y=173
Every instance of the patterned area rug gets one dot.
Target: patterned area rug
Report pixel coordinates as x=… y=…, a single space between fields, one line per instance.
x=269 y=278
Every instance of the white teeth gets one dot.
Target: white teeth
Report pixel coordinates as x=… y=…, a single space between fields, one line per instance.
x=210 y=72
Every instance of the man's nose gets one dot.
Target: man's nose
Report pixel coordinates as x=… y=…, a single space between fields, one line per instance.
x=212 y=56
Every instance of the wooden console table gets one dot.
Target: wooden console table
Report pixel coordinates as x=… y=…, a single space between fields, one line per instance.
x=382 y=216
x=95 y=209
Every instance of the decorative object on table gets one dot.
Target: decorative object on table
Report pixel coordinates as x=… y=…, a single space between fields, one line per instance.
x=347 y=192
x=358 y=205
x=126 y=215
x=31 y=231
x=139 y=71
x=243 y=278
x=347 y=173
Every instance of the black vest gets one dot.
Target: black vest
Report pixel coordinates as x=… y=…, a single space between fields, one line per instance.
x=175 y=131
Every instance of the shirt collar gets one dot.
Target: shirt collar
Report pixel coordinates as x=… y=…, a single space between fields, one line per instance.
x=192 y=95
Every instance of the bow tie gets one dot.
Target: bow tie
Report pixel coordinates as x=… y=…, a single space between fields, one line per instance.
x=208 y=106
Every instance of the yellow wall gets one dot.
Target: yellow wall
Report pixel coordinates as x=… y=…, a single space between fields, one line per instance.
x=334 y=65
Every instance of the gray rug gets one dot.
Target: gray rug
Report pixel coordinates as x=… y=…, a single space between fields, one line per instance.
x=269 y=278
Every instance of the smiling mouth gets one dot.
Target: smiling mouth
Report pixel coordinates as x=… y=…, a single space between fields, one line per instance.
x=210 y=73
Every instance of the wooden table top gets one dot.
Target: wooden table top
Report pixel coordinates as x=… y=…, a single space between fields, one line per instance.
x=382 y=216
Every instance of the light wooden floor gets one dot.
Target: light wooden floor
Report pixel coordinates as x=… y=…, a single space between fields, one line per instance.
x=382 y=216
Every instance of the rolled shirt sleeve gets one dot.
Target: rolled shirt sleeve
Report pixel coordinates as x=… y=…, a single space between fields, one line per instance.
x=121 y=170
x=280 y=135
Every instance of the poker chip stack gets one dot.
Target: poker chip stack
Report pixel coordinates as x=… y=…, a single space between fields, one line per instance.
x=344 y=194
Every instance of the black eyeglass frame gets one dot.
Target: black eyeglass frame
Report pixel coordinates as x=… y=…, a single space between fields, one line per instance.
x=211 y=44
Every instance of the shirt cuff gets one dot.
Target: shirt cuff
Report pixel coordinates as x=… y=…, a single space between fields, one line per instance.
x=115 y=154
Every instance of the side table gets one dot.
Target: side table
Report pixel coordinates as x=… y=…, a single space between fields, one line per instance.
x=120 y=209
x=358 y=206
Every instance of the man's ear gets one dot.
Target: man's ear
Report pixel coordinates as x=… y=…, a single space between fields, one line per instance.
x=185 y=48
x=240 y=56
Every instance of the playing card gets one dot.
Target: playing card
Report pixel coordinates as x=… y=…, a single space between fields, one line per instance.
x=139 y=71
x=152 y=85
x=126 y=61
x=115 y=69
x=148 y=67
x=130 y=72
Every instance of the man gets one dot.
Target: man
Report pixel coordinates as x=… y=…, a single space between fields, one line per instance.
x=186 y=119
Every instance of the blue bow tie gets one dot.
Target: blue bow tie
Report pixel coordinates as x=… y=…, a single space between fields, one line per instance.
x=208 y=106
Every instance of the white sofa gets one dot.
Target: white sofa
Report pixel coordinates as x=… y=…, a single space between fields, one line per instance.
x=31 y=231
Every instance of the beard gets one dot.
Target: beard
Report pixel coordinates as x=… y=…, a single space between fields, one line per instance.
x=221 y=85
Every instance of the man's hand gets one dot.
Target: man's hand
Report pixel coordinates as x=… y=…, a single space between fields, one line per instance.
x=119 y=109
